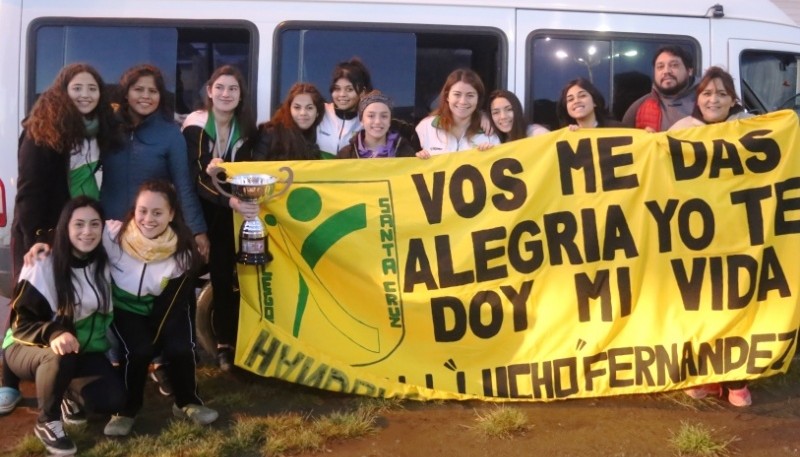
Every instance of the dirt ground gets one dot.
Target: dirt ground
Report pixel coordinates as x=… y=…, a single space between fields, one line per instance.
x=638 y=425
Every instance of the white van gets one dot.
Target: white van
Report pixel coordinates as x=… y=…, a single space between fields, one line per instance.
x=530 y=47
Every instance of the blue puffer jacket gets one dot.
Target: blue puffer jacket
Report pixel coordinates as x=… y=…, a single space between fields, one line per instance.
x=155 y=149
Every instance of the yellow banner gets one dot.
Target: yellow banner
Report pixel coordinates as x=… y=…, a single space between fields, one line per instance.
x=574 y=264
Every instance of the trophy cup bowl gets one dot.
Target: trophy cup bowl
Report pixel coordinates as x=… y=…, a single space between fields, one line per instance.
x=253 y=188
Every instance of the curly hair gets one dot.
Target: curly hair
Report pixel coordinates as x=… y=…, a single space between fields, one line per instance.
x=55 y=122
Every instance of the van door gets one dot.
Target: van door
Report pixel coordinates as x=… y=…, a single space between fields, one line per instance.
x=613 y=50
x=767 y=74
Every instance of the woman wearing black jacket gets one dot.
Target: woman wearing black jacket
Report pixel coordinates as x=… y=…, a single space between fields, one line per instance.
x=69 y=127
x=60 y=318
x=291 y=134
x=223 y=131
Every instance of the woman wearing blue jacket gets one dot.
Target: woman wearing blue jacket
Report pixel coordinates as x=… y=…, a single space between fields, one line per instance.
x=153 y=148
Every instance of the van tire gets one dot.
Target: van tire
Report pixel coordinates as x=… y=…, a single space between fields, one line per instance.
x=204 y=320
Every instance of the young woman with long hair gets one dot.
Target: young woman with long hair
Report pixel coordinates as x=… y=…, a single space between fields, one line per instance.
x=581 y=105
x=508 y=118
x=222 y=132
x=456 y=124
x=153 y=148
x=154 y=258
x=349 y=82
x=69 y=127
x=60 y=318
x=291 y=133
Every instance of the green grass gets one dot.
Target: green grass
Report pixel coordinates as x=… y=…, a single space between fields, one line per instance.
x=244 y=435
x=27 y=447
x=698 y=441
x=501 y=422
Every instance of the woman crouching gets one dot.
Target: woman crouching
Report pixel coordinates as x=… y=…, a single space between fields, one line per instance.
x=153 y=257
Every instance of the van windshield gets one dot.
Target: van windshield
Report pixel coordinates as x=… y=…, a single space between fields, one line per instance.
x=770 y=80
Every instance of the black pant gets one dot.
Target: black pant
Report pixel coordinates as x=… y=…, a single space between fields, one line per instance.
x=222 y=269
x=138 y=346
x=9 y=378
x=87 y=378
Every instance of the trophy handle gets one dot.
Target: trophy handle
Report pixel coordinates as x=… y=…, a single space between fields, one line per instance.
x=288 y=181
x=214 y=172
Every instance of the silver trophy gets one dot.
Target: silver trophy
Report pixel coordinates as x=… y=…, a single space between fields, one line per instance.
x=254 y=188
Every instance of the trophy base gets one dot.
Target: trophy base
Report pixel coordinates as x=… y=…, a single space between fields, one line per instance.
x=254 y=251
x=248 y=258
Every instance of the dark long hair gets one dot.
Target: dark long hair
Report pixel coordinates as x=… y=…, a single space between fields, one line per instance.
x=62 y=256
x=186 y=254
x=288 y=142
x=518 y=128
x=128 y=79
x=354 y=71
x=242 y=112
x=727 y=82
x=466 y=76
x=55 y=121
x=600 y=110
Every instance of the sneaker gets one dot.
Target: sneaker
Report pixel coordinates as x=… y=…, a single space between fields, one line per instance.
x=71 y=412
x=119 y=426
x=159 y=376
x=740 y=397
x=9 y=399
x=199 y=414
x=703 y=391
x=225 y=358
x=54 y=438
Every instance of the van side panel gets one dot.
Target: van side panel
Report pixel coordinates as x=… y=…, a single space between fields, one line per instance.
x=10 y=90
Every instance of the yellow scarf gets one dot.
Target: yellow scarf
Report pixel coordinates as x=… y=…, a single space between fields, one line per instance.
x=146 y=249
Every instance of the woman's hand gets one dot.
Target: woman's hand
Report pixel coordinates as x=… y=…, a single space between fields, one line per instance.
x=574 y=127
x=423 y=154
x=215 y=162
x=65 y=343
x=484 y=146
x=203 y=245
x=486 y=124
x=248 y=210
x=37 y=251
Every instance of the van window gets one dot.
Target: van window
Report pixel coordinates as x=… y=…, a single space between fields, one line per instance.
x=187 y=54
x=410 y=64
x=621 y=66
x=770 y=80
